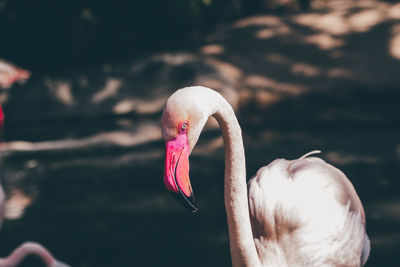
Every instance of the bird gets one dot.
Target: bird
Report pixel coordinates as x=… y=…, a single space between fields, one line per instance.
x=27 y=248
x=9 y=74
x=301 y=212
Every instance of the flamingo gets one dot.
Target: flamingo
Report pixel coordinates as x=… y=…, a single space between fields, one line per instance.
x=26 y=248
x=302 y=212
x=9 y=74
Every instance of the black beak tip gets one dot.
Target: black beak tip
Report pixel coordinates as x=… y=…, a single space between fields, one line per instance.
x=187 y=202
x=195 y=209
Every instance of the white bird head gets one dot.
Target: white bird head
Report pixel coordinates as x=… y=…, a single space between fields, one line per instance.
x=184 y=116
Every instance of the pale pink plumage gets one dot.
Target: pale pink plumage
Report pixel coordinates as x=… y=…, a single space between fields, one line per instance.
x=305 y=212
x=302 y=212
x=10 y=74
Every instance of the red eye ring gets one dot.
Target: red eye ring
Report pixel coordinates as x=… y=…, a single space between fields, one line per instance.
x=184 y=125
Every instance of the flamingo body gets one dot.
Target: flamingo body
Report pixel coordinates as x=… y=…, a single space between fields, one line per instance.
x=305 y=212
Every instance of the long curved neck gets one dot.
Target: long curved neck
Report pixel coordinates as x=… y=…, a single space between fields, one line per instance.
x=243 y=250
x=26 y=249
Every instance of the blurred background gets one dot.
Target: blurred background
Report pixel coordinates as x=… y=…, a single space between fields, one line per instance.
x=82 y=160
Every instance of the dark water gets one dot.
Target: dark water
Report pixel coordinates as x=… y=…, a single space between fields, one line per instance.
x=106 y=205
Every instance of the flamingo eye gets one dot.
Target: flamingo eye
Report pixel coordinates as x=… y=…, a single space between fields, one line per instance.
x=184 y=127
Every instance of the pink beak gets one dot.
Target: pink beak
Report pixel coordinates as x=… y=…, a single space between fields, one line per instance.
x=176 y=174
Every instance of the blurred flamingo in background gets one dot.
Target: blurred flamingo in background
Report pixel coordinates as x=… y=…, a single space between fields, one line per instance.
x=9 y=74
x=302 y=212
x=27 y=248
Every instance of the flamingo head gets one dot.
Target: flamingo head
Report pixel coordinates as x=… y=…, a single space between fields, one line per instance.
x=10 y=74
x=183 y=118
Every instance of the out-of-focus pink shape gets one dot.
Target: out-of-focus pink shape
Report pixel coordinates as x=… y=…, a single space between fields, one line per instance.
x=27 y=248
x=10 y=74
x=1 y=120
